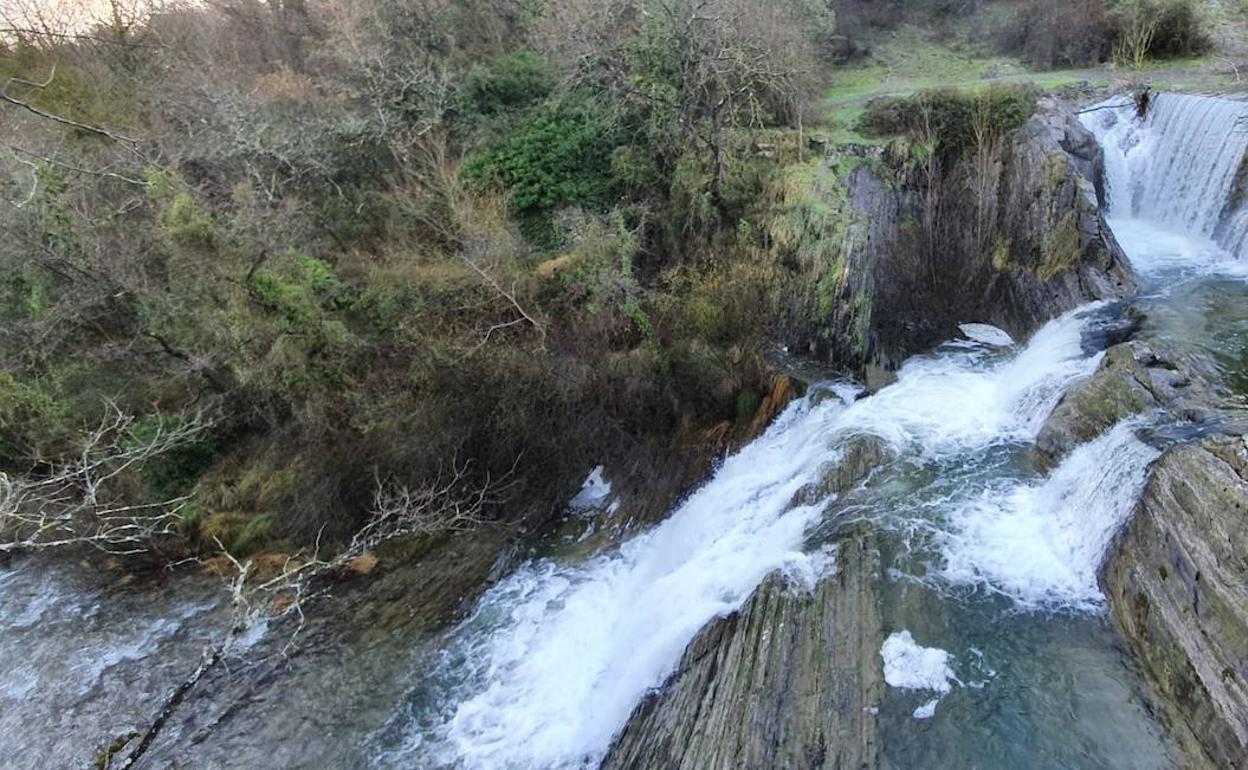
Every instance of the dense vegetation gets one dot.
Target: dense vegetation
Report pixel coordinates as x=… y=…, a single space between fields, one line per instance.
x=378 y=242
x=1046 y=33
x=382 y=242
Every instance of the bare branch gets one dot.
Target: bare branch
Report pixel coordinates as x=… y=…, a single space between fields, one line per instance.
x=507 y=295
x=73 y=502
x=77 y=169
x=129 y=143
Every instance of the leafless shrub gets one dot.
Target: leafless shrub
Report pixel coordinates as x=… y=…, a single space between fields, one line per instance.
x=77 y=502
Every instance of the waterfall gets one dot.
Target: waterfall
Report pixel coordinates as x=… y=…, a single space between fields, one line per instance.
x=1181 y=168
x=550 y=665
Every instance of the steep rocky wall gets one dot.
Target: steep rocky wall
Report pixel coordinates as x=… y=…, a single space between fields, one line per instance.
x=1041 y=245
x=1178 y=587
x=1177 y=576
x=791 y=680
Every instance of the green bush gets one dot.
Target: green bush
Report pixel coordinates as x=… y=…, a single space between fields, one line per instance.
x=33 y=416
x=512 y=82
x=559 y=154
x=950 y=118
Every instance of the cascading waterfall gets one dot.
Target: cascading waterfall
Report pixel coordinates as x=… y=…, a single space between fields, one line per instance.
x=552 y=662
x=1181 y=169
x=549 y=667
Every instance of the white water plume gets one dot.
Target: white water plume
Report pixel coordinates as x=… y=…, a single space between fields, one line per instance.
x=556 y=657
x=963 y=399
x=1042 y=542
x=1181 y=168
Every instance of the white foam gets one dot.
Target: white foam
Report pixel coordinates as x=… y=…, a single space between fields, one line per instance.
x=959 y=401
x=927 y=710
x=1157 y=249
x=1042 y=542
x=910 y=666
x=557 y=656
x=593 y=493
x=987 y=334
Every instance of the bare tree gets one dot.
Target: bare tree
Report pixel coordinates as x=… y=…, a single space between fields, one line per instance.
x=78 y=502
x=1140 y=23
x=452 y=503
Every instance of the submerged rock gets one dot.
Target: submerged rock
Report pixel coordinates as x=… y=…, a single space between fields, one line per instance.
x=860 y=455
x=791 y=680
x=1177 y=582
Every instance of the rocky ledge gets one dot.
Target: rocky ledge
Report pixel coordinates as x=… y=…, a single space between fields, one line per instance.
x=1177 y=582
x=1136 y=377
x=1177 y=575
x=790 y=680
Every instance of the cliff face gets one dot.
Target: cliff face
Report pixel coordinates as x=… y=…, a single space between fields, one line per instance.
x=1010 y=237
x=1178 y=588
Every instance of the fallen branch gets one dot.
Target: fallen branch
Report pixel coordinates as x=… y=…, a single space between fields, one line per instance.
x=507 y=295
x=73 y=502
x=448 y=504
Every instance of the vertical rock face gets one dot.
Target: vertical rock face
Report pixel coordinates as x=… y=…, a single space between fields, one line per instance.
x=1018 y=238
x=1177 y=576
x=791 y=680
x=1055 y=250
x=1178 y=587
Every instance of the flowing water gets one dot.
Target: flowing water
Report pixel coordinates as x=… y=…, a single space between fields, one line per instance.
x=999 y=654
x=993 y=563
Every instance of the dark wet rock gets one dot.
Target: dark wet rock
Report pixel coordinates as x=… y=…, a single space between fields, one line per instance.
x=791 y=680
x=1134 y=378
x=1177 y=575
x=877 y=378
x=1044 y=249
x=860 y=456
x=1177 y=581
x=1059 y=252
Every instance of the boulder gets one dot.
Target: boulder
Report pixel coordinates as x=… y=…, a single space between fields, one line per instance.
x=1136 y=377
x=859 y=457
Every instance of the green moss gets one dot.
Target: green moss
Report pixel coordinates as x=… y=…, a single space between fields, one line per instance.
x=1061 y=247
x=860 y=312
x=1001 y=255
x=748 y=402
